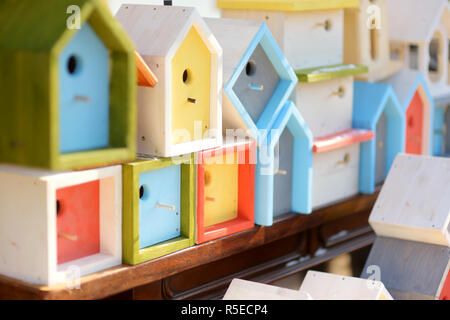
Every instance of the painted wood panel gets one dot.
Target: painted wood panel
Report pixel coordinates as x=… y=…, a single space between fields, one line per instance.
x=447 y=132
x=414 y=125
x=380 y=152
x=283 y=174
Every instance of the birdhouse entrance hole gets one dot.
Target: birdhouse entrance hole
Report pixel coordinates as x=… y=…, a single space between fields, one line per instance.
x=435 y=65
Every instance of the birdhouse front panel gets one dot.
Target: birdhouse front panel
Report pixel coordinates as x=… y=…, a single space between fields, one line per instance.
x=220 y=190
x=446 y=130
x=338 y=167
x=327 y=107
x=257 y=83
x=191 y=88
x=225 y=190
x=78 y=221
x=282 y=198
x=380 y=152
x=70 y=220
x=414 y=125
x=159 y=205
x=445 y=291
x=441 y=138
x=84 y=93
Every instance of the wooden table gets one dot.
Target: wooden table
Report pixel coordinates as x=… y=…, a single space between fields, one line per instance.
x=204 y=271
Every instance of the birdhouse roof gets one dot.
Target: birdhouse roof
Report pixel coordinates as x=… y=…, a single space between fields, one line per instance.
x=159 y=31
x=413 y=203
x=289 y=118
x=287 y=5
x=409 y=269
x=370 y=101
x=405 y=84
x=326 y=73
x=418 y=19
x=327 y=286
x=41 y=26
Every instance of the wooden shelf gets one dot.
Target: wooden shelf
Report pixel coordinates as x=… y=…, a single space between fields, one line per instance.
x=118 y=279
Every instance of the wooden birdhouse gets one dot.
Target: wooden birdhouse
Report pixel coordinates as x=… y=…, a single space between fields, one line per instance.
x=284 y=168
x=248 y=290
x=324 y=97
x=54 y=225
x=182 y=113
x=410 y=270
x=441 y=139
x=257 y=77
x=310 y=33
x=414 y=203
x=377 y=108
x=225 y=190
x=423 y=44
x=366 y=40
x=70 y=93
x=418 y=105
x=327 y=286
x=158 y=207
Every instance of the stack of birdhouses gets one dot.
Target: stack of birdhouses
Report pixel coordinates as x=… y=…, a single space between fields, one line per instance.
x=324 y=94
x=68 y=102
x=412 y=221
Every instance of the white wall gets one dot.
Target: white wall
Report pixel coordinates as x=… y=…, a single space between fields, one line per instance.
x=207 y=8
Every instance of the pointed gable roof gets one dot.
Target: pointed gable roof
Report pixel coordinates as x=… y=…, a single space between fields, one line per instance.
x=160 y=30
x=418 y=20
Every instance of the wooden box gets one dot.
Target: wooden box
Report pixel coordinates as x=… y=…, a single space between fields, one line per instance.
x=441 y=137
x=257 y=77
x=366 y=40
x=418 y=105
x=182 y=113
x=414 y=203
x=225 y=190
x=247 y=290
x=158 y=207
x=284 y=168
x=324 y=97
x=53 y=224
x=410 y=270
x=69 y=94
x=327 y=286
x=377 y=108
x=422 y=45
x=310 y=33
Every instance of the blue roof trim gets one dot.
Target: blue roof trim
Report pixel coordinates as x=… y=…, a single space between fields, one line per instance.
x=287 y=84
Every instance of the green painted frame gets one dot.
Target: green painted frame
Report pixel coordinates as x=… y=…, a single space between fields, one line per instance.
x=132 y=254
x=326 y=73
x=29 y=88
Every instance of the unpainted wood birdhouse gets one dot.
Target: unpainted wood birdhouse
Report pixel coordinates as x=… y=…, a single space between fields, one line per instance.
x=284 y=168
x=418 y=105
x=310 y=33
x=324 y=97
x=366 y=40
x=328 y=286
x=419 y=37
x=182 y=113
x=158 y=207
x=410 y=270
x=55 y=226
x=70 y=92
x=258 y=79
x=413 y=203
x=377 y=108
x=225 y=190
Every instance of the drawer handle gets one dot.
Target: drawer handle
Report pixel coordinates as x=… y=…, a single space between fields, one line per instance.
x=165 y=206
x=326 y=25
x=340 y=92
x=281 y=172
x=345 y=160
